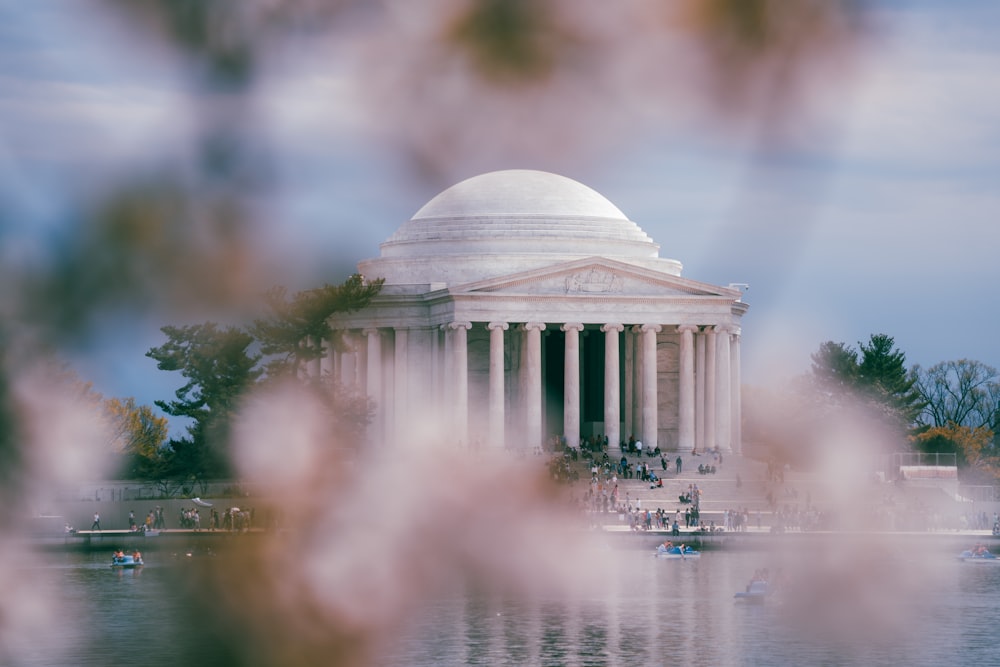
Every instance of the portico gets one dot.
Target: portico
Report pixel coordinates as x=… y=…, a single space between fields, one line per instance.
x=520 y=306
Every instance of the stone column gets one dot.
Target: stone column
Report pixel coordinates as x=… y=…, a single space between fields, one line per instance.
x=460 y=380
x=496 y=384
x=631 y=418
x=332 y=357
x=699 y=390
x=437 y=383
x=571 y=384
x=348 y=362
x=650 y=402
x=448 y=381
x=736 y=403
x=723 y=429
x=686 y=410
x=637 y=384
x=533 y=384
x=401 y=388
x=374 y=384
x=360 y=366
x=612 y=396
x=711 y=381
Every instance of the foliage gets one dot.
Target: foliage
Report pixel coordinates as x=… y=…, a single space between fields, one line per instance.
x=867 y=392
x=877 y=378
x=293 y=332
x=348 y=412
x=222 y=365
x=219 y=367
x=137 y=435
x=963 y=392
x=12 y=455
x=835 y=367
x=973 y=446
x=883 y=377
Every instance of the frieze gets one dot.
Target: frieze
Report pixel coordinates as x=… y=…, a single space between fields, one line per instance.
x=594 y=281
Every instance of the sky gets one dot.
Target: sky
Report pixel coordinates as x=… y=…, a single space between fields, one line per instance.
x=876 y=209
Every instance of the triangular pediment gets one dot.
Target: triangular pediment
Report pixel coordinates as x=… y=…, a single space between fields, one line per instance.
x=598 y=276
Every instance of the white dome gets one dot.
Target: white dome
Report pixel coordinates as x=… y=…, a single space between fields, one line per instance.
x=503 y=222
x=519 y=192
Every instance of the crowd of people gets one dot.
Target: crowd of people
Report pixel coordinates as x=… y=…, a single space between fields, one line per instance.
x=604 y=493
x=189 y=518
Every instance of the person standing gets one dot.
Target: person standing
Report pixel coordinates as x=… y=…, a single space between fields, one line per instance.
x=678 y=462
x=97 y=522
x=131 y=520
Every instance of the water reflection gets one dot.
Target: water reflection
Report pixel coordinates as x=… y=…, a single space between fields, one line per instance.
x=638 y=611
x=553 y=643
x=479 y=628
x=516 y=632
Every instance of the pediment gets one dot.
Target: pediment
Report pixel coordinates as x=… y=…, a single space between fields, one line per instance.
x=595 y=277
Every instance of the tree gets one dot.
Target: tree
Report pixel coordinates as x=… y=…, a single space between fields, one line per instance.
x=873 y=385
x=138 y=436
x=835 y=367
x=884 y=379
x=973 y=447
x=963 y=392
x=293 y=332
x=220 y=369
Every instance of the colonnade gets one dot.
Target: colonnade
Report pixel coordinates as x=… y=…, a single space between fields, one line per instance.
x=431 y=365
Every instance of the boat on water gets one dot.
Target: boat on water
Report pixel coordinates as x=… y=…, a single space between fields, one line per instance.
x=682 y=552
x=757 y=592
x=978 y=554
x=126 y=561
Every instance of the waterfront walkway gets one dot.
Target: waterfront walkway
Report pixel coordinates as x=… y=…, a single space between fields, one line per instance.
x=792 y=500
x=739 y=484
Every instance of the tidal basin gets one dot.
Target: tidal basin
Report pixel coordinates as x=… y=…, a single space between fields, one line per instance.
x=904 y=600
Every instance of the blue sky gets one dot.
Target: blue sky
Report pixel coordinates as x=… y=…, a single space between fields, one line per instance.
x=877 y=212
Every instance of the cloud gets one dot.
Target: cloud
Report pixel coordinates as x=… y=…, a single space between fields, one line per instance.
x=924 y=104
x=86 y=124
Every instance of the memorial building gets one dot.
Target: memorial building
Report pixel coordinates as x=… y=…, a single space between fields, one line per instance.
x=521 y=307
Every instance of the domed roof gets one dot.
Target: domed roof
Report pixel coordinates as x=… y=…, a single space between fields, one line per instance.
x=519 y=192
x=507 y=221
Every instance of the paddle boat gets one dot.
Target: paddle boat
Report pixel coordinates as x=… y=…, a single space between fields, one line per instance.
x=978 y=554
x=127 y=561
x=756 y=593
x=682 y=552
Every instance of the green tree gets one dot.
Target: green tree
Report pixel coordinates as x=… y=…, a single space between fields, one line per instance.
x=219 y=369
x=835 y=367
x=873 y=385
x=293 y=332
x=884 y=379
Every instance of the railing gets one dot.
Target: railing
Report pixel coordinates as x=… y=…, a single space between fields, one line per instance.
x=979 y=493
x=943 y=459
x=128 y=490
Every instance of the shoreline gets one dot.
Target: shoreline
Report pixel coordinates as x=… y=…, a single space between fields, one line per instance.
x=619 y=537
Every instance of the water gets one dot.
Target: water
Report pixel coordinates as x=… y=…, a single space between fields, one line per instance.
x=637 y=610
